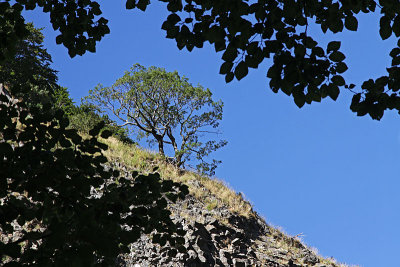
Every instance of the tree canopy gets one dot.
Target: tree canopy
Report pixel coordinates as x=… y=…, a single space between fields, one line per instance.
x=29 y=70
x=247 y=32
x=167 y=108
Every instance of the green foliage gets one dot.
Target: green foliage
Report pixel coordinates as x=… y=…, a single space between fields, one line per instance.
x=62 y=100
x=12 y=29
x=30 y=70
x=61 y=202
x=168 y=109
x=84 y=117
x=75 y=20
x=71 y=208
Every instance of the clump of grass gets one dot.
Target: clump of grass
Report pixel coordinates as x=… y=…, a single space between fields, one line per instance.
x=211 y=205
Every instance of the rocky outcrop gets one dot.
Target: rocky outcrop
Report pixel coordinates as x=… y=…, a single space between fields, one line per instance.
x=219 y=237
x=221 y=227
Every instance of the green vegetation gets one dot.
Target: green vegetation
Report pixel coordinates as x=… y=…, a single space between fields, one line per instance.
x=61 y=201
x=84 y=117
x=165 y=109
x=30 y=70
x=62 y=100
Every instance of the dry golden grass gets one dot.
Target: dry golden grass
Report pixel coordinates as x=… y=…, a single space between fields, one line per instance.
x=145 y=160
x=213 y=192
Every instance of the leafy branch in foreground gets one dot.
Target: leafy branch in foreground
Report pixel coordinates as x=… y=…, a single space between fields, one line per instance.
x=61 y=203
x=167 y=110
x=247 y=32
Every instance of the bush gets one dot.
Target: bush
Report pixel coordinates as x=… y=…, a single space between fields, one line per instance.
x=84 y=117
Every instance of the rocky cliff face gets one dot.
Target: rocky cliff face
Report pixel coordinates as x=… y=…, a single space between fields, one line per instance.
x=221 y=227
x=218 y=236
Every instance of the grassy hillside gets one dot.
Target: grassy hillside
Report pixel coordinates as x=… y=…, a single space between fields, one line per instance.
x=213 y=193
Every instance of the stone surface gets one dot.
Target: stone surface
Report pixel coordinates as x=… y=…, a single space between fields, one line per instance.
x=219 y=237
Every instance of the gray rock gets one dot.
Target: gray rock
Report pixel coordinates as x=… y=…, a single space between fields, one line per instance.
x=211 y=229
x=192 y=255
x=311 y=259
x=202 y=258
x=210 y=241
x=225 y=257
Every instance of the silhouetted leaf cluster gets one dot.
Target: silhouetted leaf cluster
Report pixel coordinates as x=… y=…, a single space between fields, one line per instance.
x=247 y=32
x=61 y=202
x=77 y=21
x=72 y=209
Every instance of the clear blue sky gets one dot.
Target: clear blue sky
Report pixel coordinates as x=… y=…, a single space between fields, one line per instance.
x=320 y=170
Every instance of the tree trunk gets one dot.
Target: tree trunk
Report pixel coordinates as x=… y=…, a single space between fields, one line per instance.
x=179 y=162
x=161 y=146
x=160 y=141
x=178 y=156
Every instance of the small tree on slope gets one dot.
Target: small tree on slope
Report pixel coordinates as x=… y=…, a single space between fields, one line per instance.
x=167 y=110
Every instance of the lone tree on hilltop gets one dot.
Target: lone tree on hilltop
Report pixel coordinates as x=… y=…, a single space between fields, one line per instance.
x=167 y=110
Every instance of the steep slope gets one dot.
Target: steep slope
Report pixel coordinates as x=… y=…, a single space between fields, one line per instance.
x=222 y=228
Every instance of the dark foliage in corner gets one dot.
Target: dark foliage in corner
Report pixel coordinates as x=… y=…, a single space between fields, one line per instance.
x=248 y=32
x=59 y=201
